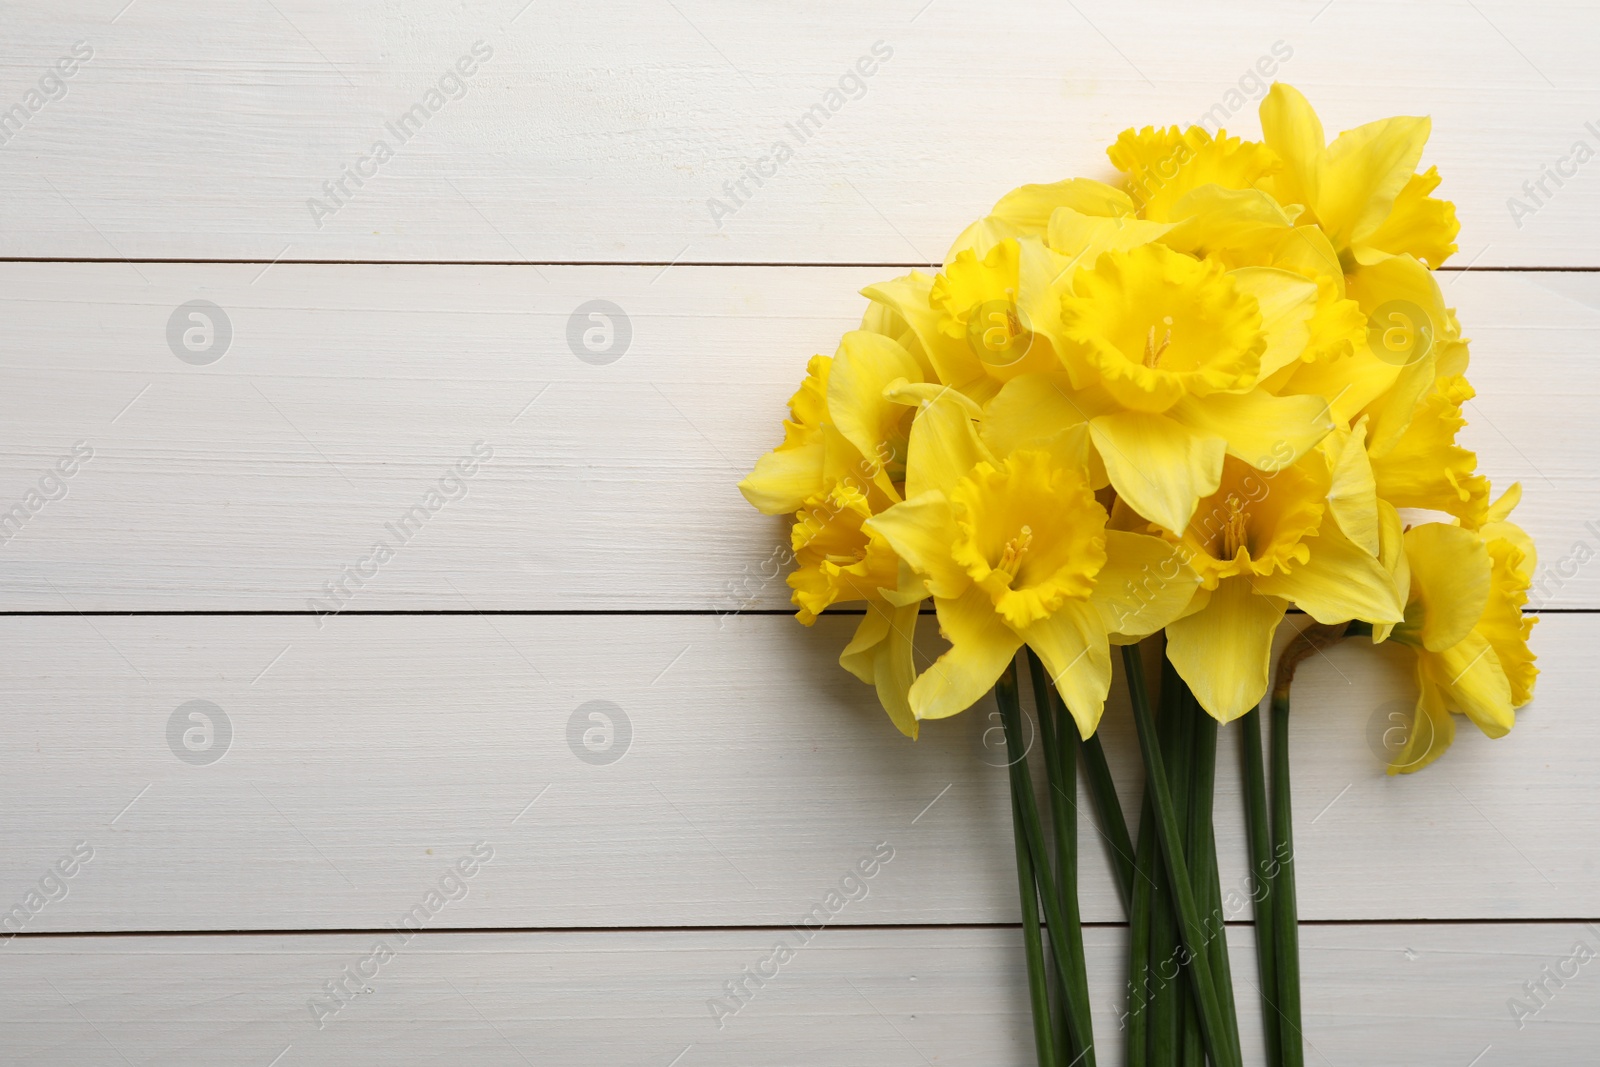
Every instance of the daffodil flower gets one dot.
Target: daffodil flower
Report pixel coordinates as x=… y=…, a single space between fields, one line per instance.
x=984 y=319
x=1163 y=352
x=842 y=460
x=1363 y=189
x=1014 y=550
x=1165 y=165
x=1261 y=542
x=1425 y=468
x=1464 y=623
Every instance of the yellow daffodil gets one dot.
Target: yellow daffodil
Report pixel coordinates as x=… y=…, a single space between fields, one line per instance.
x=1029 y=211
x=1464 y=622
x=1242 y=351
x=1165 y=165
x=1162 y=353
x=985 y=318
x=791 y=473
x=1363 y=190
x=1425 y=468
x=841 y=461
x=1261 y=542
x=1015 y=551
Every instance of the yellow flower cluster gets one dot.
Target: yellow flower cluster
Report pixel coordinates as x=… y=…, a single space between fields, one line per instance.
x=1187 y=401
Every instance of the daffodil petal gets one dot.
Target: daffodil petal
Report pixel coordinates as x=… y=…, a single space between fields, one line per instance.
x=1215 y=217
x=1224 y=650
x=858 y=655
x=880 y=654
x=951 y=359
x=1042 y=411
x=1365 y=170
x=1430 y=731
x=1083 y=237
x=1475 y=684
x=1291 y=128
x=865 y=364
x=1268 y=432
x=980 y=647
x=1161 y=467
x=1450 y=573
x=921 y=531
x=1353 y=495
x=1410 y=325
x=1072 y=644
x=1143 y=586
x=1419 y=224
x=1503 y=624
x=944 y=445
x=784 y=478
x=1338 y=583
x=1392 y=554
x=1287 y=301
x=1501 y=509
x=1034 y=205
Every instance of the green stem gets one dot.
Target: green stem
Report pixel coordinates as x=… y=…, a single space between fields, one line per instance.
x=1109 y=808
x=1061 y=765
x=1005 y=692
x=1286 y=935
x=1141 y=979
x=1261 y=881
x=1203 y=849
x=1168 y=833
x=1177 y=749
x=1285 y=915
x=1032 y=945
x=1166 y=1003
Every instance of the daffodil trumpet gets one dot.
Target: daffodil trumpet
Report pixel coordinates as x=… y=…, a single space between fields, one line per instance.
x=1221 y=388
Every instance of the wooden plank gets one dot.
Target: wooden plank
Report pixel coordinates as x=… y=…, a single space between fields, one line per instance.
x=1419 y=995
x=603 y=131
x=347 y=393
x=356 y=765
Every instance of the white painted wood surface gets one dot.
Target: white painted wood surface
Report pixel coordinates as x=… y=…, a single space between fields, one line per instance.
x=348 y=392
x=753 y=773
x=1419 y=995
x=367 y=755
x=599 y=131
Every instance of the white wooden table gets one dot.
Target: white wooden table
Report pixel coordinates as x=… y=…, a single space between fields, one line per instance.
x=415 y=321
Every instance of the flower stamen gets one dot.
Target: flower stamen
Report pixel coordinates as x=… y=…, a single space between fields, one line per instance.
x=1153 y=352
x=1235 y=535
x=1015 y=549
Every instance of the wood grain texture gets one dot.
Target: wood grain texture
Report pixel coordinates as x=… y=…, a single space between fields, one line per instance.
x=348 y=392
x=368 y=761
x=601 y=131
x=1423 y=996
x=361 y=762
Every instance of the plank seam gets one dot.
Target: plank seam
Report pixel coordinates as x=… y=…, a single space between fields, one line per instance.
x=359 y=931
x=774 y=264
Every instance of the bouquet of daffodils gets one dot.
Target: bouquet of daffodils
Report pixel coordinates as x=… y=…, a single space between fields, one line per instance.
x=1176 y=405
